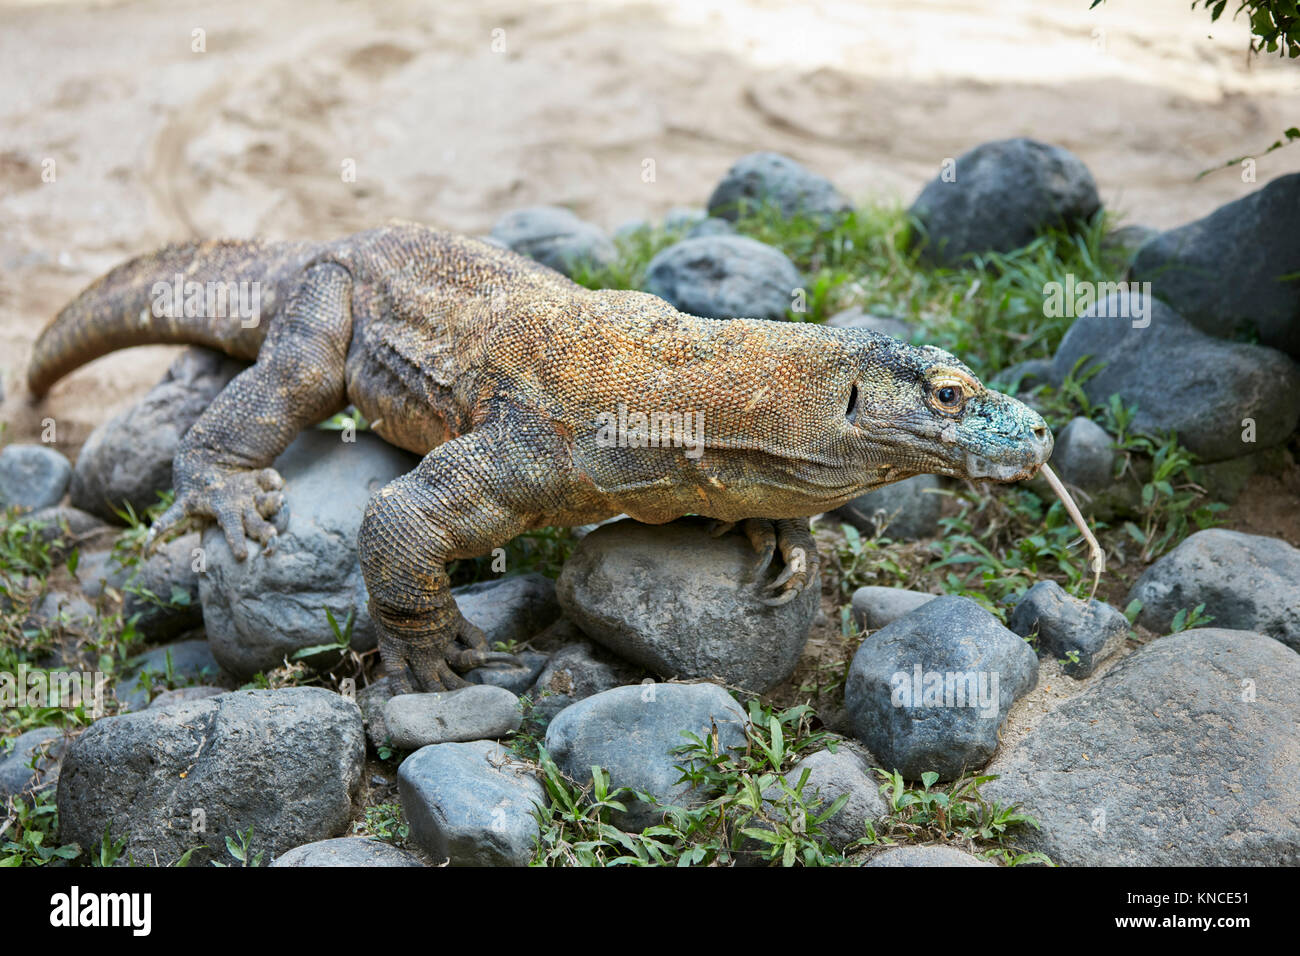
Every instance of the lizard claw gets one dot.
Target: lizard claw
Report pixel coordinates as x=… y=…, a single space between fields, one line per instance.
x=762 y=537
x=241 y=502
x=799 y=552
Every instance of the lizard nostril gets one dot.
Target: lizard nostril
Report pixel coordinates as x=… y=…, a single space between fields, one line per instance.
x=1041 y=432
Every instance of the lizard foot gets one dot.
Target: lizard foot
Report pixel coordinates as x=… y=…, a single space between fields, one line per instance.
x=798 y=550
x=425 y=667
x=239 y=501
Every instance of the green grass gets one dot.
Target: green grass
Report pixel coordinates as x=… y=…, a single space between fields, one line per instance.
x=748 y=807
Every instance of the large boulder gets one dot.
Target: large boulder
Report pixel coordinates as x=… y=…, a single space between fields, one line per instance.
x=1184 y=754
x=1182 y=379
x=682 y=603
x=631 y=732
x=724 y=277
x=128 y=459
x=1247 y=582
x=1235 y=270
x=761 y=179
x=471 y=804
x=272 y=604
x=1001 y=196
x=930 y=691
x=555 y=237
x=32 y=477
x=286 y=763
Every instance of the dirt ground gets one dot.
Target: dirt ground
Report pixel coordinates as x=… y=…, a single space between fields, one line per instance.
x=454 y=112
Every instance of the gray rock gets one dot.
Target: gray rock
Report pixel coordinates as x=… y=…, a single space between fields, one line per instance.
x=64 y=528
x=711 y=227
x=1024 y=376
x=970 y=670
x=876 y=607
x=32 y=477
x=856 y=318
x=128 y=459
x=1183 y=755
x=1084 y=455
x=680 y=218
x=632 y=229
x=1206 y=386
x=170 y=575
x=906 y=510
x=44 y=746
x=476 y=712
x=926 y=856
x=285 y=762
x=517 y=680
x=555 y=237
x=471 y=804
x=189 y=661
x=348 y=851
x=576 y=672
x=371 y=700
x=681 y=604
x=510 y=609
x=1005 y=193
x=770 y=178
x=1224 y=273
x=57 y=608
x=632 y=731
x=1247 y=582
x=261 y=610
x=183 y=695
x=1090 y=630
x=829 y=776
x=724 y=277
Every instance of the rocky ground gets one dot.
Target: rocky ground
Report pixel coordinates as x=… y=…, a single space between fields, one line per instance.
x=952 y=658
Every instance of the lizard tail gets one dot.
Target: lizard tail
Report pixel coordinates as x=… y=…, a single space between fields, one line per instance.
x=212 y=293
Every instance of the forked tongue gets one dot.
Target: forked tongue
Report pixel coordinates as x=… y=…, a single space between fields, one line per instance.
x=1096 y=557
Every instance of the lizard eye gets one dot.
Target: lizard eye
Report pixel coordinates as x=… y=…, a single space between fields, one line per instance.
x=948 y=395
x=853 y=403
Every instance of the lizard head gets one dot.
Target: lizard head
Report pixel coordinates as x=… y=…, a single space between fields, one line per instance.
x=924 y=412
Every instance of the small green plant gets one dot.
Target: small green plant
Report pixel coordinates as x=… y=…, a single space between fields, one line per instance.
x=385 y=821
x=957 y=815
x=28 y=830
x=1186 y=619
x=239 y=847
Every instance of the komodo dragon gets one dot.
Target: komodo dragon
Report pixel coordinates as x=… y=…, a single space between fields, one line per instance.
x=498 y=370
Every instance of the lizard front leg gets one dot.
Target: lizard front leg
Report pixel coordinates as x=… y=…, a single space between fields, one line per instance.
x=221 y=470
x=471 y=495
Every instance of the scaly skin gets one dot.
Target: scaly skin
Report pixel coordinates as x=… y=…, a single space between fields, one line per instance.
x=499 y=372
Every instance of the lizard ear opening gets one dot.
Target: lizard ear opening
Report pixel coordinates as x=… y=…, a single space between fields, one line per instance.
x=853 y=403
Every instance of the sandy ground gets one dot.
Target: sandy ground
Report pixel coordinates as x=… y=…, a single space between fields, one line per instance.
x=151 y=141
